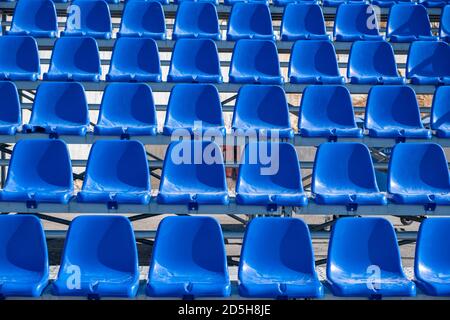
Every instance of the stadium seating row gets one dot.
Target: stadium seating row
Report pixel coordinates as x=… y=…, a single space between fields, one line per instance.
x=128 y=109
x=193 y=174
x=326 y=3
x=197 y=60
x=189 y=259
x=407 y=21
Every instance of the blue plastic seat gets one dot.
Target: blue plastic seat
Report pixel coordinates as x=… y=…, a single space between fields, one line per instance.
x=393 y=112
x=163 y=2
x=196 y=20
x=127 y=109
x=59 y=108
x=262 y=110
x=444 y=26
x=428 y=63
x=373 y=62
x=277 y=183
x=192 y=175
x=314 y=62
x=344 y=175
x=364 y=260
x=418 y=174
x=440 y=112
x=35 y=18
x=10 y=110
x=23 y=256
x=89 y=18
x=19 y=58
x=250 y=21
x=433 y=3
x=48 y=178
x=356 y=21
x=233 y=2
x=255 y=61
x=195 y=60
x=337 y=3
x=143 y=19
x=101 y=251
x=327 y=111
x=432 y=261
x=285 y=3
x=189 y=259
x=135 y=59
x=116 y=173
x=408 y=22
x=194 y=109
x=279 y=266
x=303 y=21
x=74 y=59
x=215 y=2
x=388 y=3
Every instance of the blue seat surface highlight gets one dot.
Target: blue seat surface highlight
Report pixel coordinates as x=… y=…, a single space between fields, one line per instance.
x=388 y=3
x=135 y=59
x=233 y=2
x=215 y=2
x=24 y=267
x=10 y=110
x=127 y=109
x=101 y=250
x=408 y=22
x=74 y=59
x=373 y=62
x=196 y=20
x=327 y=111
x=418 y=174
x=337 y=3
x=46 y=179
x=356 y=21
x=277 y=183
x=116 y=173
x=285 y=3
x=19 y=58
x=35 y=18
x=303 y=21
x=192 y=175
x=444 y=26
x=255 y=61
x=440 y=112
x=314 y=61
x=189 y=259
x=195 y=60
x=433 y=3
x=194 y=109
x=250 y=21
x=393 y=112
x=432 y=259
x=59 y=108
x=279 y=266
x=364 y=260
x=143 y=19
x=89 y=18
x=262 y=111
x=163 y=2
x=343 y=174
x=428 y=63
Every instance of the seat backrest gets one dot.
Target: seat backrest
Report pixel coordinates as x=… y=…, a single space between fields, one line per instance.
x=19 y=52
x=301 y=19
x=10 y=109
x=408 y=19
x=143 y=16
x=417 y=167
x=51 y=165
x=127 y=103
x=196 y=20
x=60 y=102
x=360 y=246
x=326 y=106
x=444 y=26
x=344 y=166
x=428 y=58
x=89 y=15
x=117 y=165
x=440 y=111
x=34 y=15
x=392 y=106
x=185 y=245
x=288 y=249
x=250 y=20
x=354 y=19
x=23 y=246
x=99 y=244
